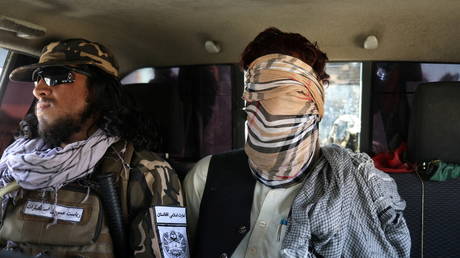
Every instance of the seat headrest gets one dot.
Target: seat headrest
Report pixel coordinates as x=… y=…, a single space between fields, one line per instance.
x=435 y=133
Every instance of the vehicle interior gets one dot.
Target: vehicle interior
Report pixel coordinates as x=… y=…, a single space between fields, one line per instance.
x=394 y=85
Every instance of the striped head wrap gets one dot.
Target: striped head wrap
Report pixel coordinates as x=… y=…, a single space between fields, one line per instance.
x=285 y=104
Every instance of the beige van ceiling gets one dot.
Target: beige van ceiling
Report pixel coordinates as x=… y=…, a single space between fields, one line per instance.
x=172 y=32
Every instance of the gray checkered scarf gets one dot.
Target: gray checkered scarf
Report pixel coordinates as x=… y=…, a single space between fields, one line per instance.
x=346 y=208
x=33 y=165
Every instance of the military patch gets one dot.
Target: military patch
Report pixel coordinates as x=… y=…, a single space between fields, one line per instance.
x=170 y=215
x=47 y=210
x=173 y=241
x=171 y=225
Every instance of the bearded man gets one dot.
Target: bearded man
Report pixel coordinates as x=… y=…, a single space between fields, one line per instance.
x=80 y=180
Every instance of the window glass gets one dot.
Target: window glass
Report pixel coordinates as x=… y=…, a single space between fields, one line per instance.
x=341 y=123
x=15 y=103
x=197 y=107
x=394 y=85
x=191 y=104
x=143 y=75
x=3 y=54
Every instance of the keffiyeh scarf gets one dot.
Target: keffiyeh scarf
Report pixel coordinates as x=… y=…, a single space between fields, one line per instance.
x=285 y=104
x=33 y=165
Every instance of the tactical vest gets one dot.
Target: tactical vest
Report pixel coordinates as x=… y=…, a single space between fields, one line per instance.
x=225 y=210
x=82 y=226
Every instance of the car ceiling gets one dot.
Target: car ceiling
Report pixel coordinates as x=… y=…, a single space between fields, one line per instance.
x=172 y=32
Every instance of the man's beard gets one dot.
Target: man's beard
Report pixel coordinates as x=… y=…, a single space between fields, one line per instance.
x=62 y=129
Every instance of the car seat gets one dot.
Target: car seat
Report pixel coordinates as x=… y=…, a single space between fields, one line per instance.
x=433 y=208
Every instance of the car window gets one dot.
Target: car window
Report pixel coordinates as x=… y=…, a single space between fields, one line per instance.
x=191 y=104
x=144 y=75
x=3 y=54
x=341 y=123
x=394 y=85
x=15 y=101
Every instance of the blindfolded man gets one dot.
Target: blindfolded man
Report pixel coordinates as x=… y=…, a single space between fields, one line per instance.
x=284 y=195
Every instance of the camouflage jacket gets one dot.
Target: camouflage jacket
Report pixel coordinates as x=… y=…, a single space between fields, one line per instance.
x=152 y=183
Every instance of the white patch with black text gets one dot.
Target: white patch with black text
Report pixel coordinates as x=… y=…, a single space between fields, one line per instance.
x=170 y=215
x=47 y=210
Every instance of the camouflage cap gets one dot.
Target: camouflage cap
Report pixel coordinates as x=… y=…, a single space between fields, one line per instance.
x=70 y=52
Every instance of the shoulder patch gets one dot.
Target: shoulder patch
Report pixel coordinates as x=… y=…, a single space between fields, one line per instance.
x=171 y=225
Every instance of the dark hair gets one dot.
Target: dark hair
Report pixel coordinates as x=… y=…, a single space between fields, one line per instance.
x=118 y=114
x=274 y=41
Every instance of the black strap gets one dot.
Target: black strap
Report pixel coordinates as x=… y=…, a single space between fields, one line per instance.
x=225 y=210
x=114 y=167
x=113 y=212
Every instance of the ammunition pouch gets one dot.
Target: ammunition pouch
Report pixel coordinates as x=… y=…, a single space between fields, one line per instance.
x=31 y=219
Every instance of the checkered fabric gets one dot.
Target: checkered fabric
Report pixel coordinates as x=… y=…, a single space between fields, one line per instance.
x=347 y=208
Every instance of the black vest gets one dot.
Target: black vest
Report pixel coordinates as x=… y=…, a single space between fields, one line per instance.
x=225 y=210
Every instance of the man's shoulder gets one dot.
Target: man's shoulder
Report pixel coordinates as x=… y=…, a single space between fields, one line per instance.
x=124 y=151
x=149 y=159
x=152 y=172
x=361 y=163
x=150 y=164
x=198 y=174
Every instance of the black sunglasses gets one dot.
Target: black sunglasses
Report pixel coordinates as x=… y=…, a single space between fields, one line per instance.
x=55 y=75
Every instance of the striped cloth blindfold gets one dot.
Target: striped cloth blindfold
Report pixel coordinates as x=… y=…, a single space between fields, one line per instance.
x=285 y=104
